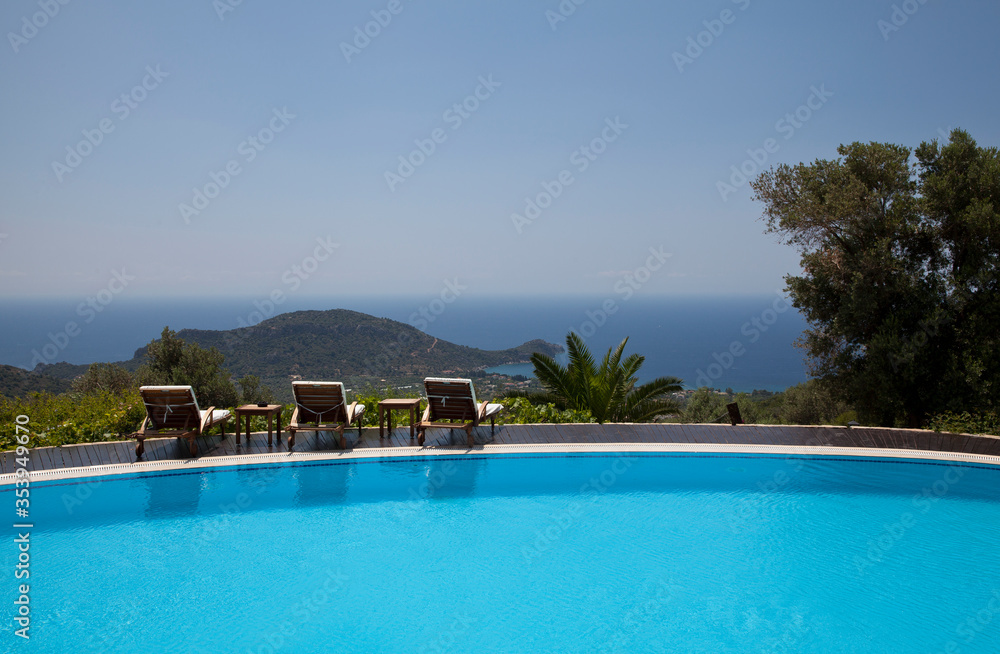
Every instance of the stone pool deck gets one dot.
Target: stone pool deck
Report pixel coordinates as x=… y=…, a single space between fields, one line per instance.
x=119 y=456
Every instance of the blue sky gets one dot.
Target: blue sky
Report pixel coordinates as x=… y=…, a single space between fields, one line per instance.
x=316 y=209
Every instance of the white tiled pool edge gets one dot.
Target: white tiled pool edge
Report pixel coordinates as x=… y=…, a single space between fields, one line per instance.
x=486 y=450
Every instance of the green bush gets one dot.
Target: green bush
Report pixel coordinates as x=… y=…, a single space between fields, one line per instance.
x=755 y=412
x=107 y=377
x=520 y=411
x=705 y=405
x=845 y=417
x=811 y=403
x=966 y=423
x=72 y=418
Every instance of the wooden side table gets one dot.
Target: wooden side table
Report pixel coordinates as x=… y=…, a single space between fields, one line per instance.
x=271 y=411
x=387 y=406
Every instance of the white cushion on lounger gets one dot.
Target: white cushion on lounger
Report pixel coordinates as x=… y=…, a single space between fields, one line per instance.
x=217 y=415
x=492 y=409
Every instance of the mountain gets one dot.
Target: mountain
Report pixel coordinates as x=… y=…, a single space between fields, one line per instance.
x=341 y=343
x=61 y=370
x=17 y=382
x=336 y=344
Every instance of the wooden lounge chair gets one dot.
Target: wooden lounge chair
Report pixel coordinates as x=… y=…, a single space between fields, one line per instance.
x=454 y=399
x=322 y=406
x=173 y=411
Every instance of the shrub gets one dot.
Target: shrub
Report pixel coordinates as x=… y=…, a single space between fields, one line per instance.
x=520 y=411
x=73 y=418
x=755 y=412
x=966 y=423
x=705 y=405
x=106 y=377
x=811 y=403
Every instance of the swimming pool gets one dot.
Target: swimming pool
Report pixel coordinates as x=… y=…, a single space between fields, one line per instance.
x=596 y=552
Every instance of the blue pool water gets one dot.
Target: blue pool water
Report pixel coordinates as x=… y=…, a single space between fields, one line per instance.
x=547 y=553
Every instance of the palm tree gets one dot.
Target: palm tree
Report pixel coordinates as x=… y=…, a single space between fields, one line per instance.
x=608 y=391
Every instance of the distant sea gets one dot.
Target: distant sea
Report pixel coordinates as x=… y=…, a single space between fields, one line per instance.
x=744 y=342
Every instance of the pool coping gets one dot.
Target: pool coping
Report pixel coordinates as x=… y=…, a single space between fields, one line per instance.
x=202 y=463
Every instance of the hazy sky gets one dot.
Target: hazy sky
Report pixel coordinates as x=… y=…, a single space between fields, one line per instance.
x=281 y=126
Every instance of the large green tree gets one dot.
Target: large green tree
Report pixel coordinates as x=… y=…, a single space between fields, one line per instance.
x=105 y=378
x=900 y=273
x=173 y=361
x=610 y=390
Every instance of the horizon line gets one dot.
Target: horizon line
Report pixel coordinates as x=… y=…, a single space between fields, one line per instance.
x=393 y=296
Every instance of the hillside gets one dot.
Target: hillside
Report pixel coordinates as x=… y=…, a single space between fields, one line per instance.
x=335 y=344
x=17 y=382
x=341 y=343
x=61 y=370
